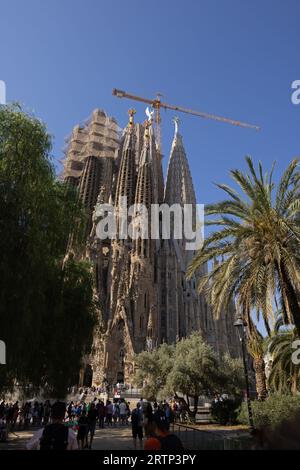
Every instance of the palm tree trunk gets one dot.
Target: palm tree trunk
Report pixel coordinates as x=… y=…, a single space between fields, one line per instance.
x=291 y=296
x=260 y=378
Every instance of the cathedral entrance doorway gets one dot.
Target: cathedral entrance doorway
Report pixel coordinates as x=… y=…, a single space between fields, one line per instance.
x=88 y=376
x=120 y=377
x=117 y=353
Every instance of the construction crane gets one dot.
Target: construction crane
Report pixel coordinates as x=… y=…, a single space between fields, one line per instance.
x=157 y=104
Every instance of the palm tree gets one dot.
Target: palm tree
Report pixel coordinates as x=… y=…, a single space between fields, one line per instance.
x=256 y=349
x=258 y=241
x=285 y=373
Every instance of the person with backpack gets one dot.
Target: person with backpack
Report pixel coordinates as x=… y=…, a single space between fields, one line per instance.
x=83 y=429
x=101 y=413
x=123 y=411
x=3 y=429
x=162 y=439
x=109 y=412
x=47 y=412
x=137 y=425
x=55 y=436
x=92 y=420
x=69 y=410
x=116 y=412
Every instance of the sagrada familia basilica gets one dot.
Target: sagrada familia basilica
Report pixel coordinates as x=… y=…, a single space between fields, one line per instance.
x=141 y=287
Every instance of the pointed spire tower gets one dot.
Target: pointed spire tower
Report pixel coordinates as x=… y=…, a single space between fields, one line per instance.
x=179 y=184
x=143 y=278
x=183 y=310
x=125 y=193
x=127 y=174
x=145 y=192
x=118 y=351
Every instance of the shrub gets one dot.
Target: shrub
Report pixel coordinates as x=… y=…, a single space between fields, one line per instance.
x=225 y=411
x=271 y=411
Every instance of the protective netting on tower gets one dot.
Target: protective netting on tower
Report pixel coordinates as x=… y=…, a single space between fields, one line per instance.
x=99 y=136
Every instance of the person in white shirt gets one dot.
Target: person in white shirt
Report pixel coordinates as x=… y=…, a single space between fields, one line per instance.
x=123 y=411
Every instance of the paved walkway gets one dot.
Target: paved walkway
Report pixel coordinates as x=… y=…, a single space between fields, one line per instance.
x=112 y=438
x=118 y=438
x=17 y=440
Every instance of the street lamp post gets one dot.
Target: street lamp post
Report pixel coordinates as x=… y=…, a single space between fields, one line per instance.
x=240 y=324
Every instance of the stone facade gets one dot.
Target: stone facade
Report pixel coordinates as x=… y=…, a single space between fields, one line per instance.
x=140 y=284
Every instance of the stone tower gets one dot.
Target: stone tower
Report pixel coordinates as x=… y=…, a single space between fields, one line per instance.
x=182 y=309
x=90 y=157
x=140 y=283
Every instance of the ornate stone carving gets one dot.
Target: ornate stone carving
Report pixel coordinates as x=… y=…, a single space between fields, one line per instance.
x=143 y=295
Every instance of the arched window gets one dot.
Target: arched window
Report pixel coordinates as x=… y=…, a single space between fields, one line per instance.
x=122 y=356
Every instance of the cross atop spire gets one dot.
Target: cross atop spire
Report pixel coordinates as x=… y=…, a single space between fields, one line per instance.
x=149 y=113
x=176 y=121
x=131 y=113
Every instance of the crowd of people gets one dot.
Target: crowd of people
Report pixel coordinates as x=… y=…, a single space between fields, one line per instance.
x=16 y=416
x=79 y=419
x=152 y=421
x=105 y=388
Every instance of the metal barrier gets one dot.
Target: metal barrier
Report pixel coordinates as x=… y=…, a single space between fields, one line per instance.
x=193 y=438
x=131 y=393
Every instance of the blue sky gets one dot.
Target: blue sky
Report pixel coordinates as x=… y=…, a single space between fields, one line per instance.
x=236 y=58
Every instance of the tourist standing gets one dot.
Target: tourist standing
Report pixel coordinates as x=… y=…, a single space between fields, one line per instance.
x=116 y=411
x=162 y=439
x=69 y=410
x=137 y=425
x=55 y=436
x=83 y=429
x=128 y=411
x=101 y=413
x=92 y=420
x=47 y=412
x=123 y=411
x=167 y=411
x=109 y=412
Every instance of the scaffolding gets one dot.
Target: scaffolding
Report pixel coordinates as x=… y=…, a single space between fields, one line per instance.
x=98 y=137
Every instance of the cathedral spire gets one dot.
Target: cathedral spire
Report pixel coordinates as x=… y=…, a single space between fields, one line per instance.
x=147 y=125
x=179 y=185
x=127 y=175
x=131 y=113
x=176 y=121
x=145 y=187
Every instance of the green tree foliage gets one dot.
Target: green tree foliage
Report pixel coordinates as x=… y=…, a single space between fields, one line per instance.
x=232 y=380
x=195 y=369
x=46 y=307
x=153 y=368
x=189 y=368
x=258 y=241
x=284 y=375
x=272 y=411
x=226 y=411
